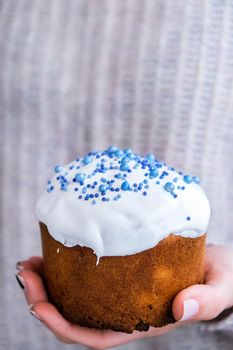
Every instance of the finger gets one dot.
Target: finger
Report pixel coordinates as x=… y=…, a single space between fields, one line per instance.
x=203 y=302
x=63 y=329
x=33 y=286
x=34 y=263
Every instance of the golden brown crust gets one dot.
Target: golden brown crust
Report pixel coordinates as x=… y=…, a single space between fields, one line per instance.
x=121 y=293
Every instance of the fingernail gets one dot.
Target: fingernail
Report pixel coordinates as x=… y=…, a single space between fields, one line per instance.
x=19 y=266
x=190 y=307
x=20 y=281
x=33 y=313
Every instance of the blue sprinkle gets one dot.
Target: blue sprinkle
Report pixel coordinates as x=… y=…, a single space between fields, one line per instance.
x=84 y=190
x=80 y=177
x=183 y=187
x=80 y=197
x=48 y=190
x=175 y=179
x=124 y=167
x=119 y=196
x=103 y=188
x=131 y=156
x=128 y=151
x=71 y=167
x=188 y=218
x=89 y=186
x=150 y=158
x=188 y=179
x=154 y=173
x=125 y=186
x=175 y=195
x=117 y=189
x=119 y=153
x=91 y=195
x=135 y=185
x=96 y=195
x=147 y=186
x=144 y=162
x=51 y=188
x=76 y=189
x=169 y=187
x=144 y=193
x=135 y=190
x=157 y=182
x=125 y=175
x=49 y=182
x=95 y=183
x=112 y=189
x=196 y=179
x=112 y=149
x=58 y=168
x=145 y=181
x=103 y=179
x=93 y=202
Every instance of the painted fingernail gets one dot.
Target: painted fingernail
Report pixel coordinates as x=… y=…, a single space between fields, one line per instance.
x=190 y=307
x=20 y=281
x=19 y=266
x=32 y=312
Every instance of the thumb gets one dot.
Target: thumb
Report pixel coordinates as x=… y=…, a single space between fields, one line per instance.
x=203 y=302
x=207 y=301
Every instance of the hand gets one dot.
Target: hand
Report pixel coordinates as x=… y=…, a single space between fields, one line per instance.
x=196 y=303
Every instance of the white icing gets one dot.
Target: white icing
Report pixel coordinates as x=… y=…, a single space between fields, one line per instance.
x=133 y=223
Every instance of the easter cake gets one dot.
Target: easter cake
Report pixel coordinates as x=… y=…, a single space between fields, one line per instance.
x=122 y=234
